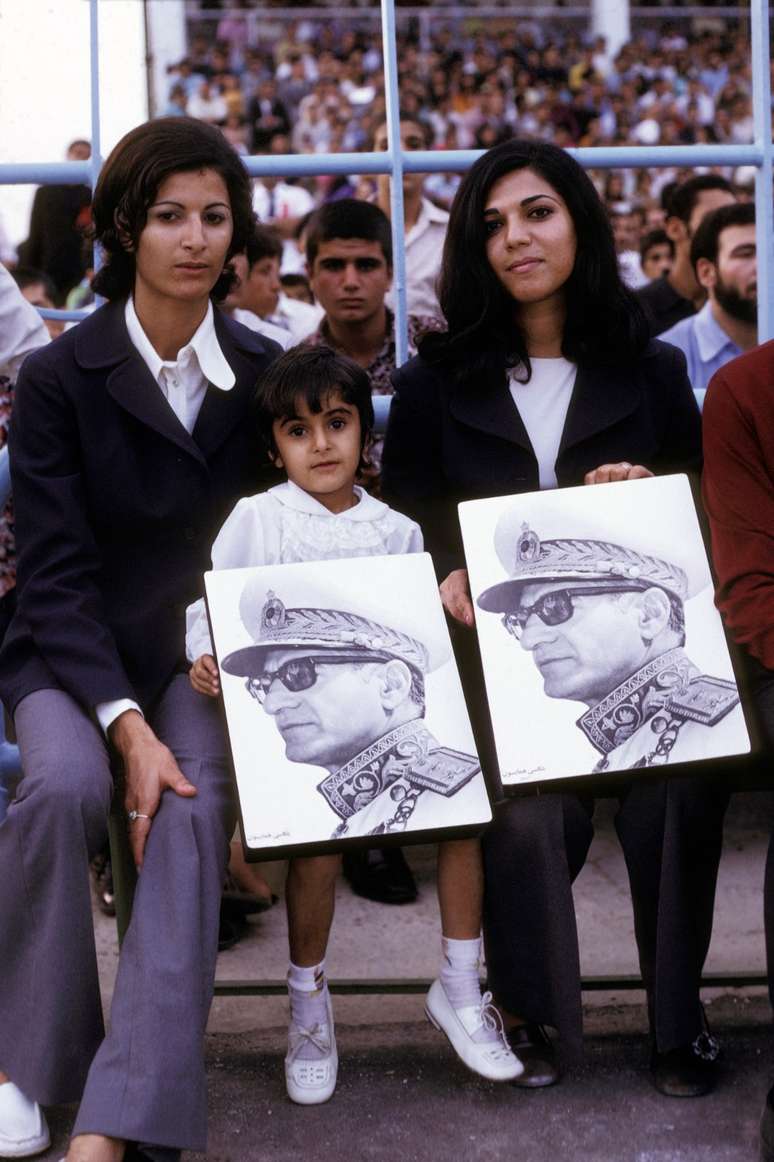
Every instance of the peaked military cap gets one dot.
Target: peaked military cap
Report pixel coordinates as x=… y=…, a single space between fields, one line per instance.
x=319 y=624
x=540 y=543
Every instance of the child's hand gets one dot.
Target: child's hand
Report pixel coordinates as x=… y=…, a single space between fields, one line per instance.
x=204 y=676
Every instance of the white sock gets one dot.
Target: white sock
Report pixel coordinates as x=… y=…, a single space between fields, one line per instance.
x=307 y=980
x=308 y=993
x=459 y=971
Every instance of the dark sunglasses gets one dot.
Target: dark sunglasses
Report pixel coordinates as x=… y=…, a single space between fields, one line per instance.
x=301 y=673
x=556 y=607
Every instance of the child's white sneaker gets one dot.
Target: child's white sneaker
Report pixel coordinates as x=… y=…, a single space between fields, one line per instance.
x=476 y=1034
x=312 y=1063
x=23 y=1129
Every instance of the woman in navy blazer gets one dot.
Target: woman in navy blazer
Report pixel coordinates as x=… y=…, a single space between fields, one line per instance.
x=532 y=295
x=129 y=445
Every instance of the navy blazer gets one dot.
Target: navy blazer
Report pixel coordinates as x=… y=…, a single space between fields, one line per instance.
x=116 y=509
x=448 y=441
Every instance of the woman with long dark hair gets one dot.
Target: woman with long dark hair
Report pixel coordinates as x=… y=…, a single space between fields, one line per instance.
x=129 y=448
x=546 y=377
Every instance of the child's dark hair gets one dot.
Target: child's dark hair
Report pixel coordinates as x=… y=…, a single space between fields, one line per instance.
x=311 y=373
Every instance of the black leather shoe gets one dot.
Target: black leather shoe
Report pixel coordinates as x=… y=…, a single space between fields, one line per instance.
x=102 y=878
x=233 y=926
x=142 y=1153
x=534 y=1049
x=767 y=1129
x=689 y=1071
x=380 y=874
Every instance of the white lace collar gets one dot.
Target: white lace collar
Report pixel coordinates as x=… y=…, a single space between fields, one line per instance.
x=368 y=507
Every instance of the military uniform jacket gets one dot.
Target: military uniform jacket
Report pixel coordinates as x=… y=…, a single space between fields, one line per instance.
x=666 y=712
x=406 y=781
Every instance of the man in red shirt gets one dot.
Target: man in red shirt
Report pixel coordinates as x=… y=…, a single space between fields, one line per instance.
x=738 y=488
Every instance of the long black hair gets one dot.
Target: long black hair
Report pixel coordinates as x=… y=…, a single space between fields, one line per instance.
x=130 y=180
x=604 y=323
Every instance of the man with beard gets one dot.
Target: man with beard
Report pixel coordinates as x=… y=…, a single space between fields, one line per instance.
x=723 y=256
x=677 y=295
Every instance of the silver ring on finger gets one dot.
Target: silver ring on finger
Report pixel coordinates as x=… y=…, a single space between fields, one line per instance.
x=133 y=816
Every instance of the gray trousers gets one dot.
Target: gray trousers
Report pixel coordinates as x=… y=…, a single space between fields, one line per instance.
x=144 y=1081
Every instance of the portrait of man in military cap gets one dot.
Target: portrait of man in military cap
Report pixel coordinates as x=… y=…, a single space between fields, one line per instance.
x=595 y=587
x=340 y=669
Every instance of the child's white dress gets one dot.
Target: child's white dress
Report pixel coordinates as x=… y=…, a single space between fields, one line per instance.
x=285 y=525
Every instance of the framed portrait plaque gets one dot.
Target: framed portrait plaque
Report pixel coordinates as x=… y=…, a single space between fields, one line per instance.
x=601 y=645
x=345 y=713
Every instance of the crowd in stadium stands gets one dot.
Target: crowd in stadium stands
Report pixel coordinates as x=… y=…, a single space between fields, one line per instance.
x=319 y=88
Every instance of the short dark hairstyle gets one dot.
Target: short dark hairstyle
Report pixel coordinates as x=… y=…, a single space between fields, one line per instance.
x=310 y=372
x=131 y=177
x=25 y=276
x=295 y=278
x=262 y=242
x=604 y=323
x=682 y=200
x=348 y=218
x=706 y=240
x=655 y=238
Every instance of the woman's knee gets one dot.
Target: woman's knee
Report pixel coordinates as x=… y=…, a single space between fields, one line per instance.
x=69 y=796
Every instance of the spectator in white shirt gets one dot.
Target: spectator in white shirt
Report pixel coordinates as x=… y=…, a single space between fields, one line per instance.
x=424 y=224
x=207 y=104
x=256 y=292
x=258 y=302
x=277 y=202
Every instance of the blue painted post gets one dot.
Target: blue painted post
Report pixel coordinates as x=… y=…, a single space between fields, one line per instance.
x=764 y=195
x=396 y=186
x=96 y=142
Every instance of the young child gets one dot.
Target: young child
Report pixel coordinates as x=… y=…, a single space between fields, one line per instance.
x=314 y=412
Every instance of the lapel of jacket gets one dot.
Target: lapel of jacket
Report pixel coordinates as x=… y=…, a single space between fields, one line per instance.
x=490 y=408
x=601 y=397
x=102 y=341
x=221 y=411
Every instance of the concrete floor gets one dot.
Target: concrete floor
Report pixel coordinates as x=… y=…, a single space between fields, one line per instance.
x=402 y=1094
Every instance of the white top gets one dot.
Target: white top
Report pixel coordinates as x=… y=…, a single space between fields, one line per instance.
x=263 y=327
x=424 y=250
x=300 y=318
x=183 y=381
x=542 y=404
x=21 y=328
x=283 y=201
x=285 y=525
x=184 y=386
x=212 y=108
